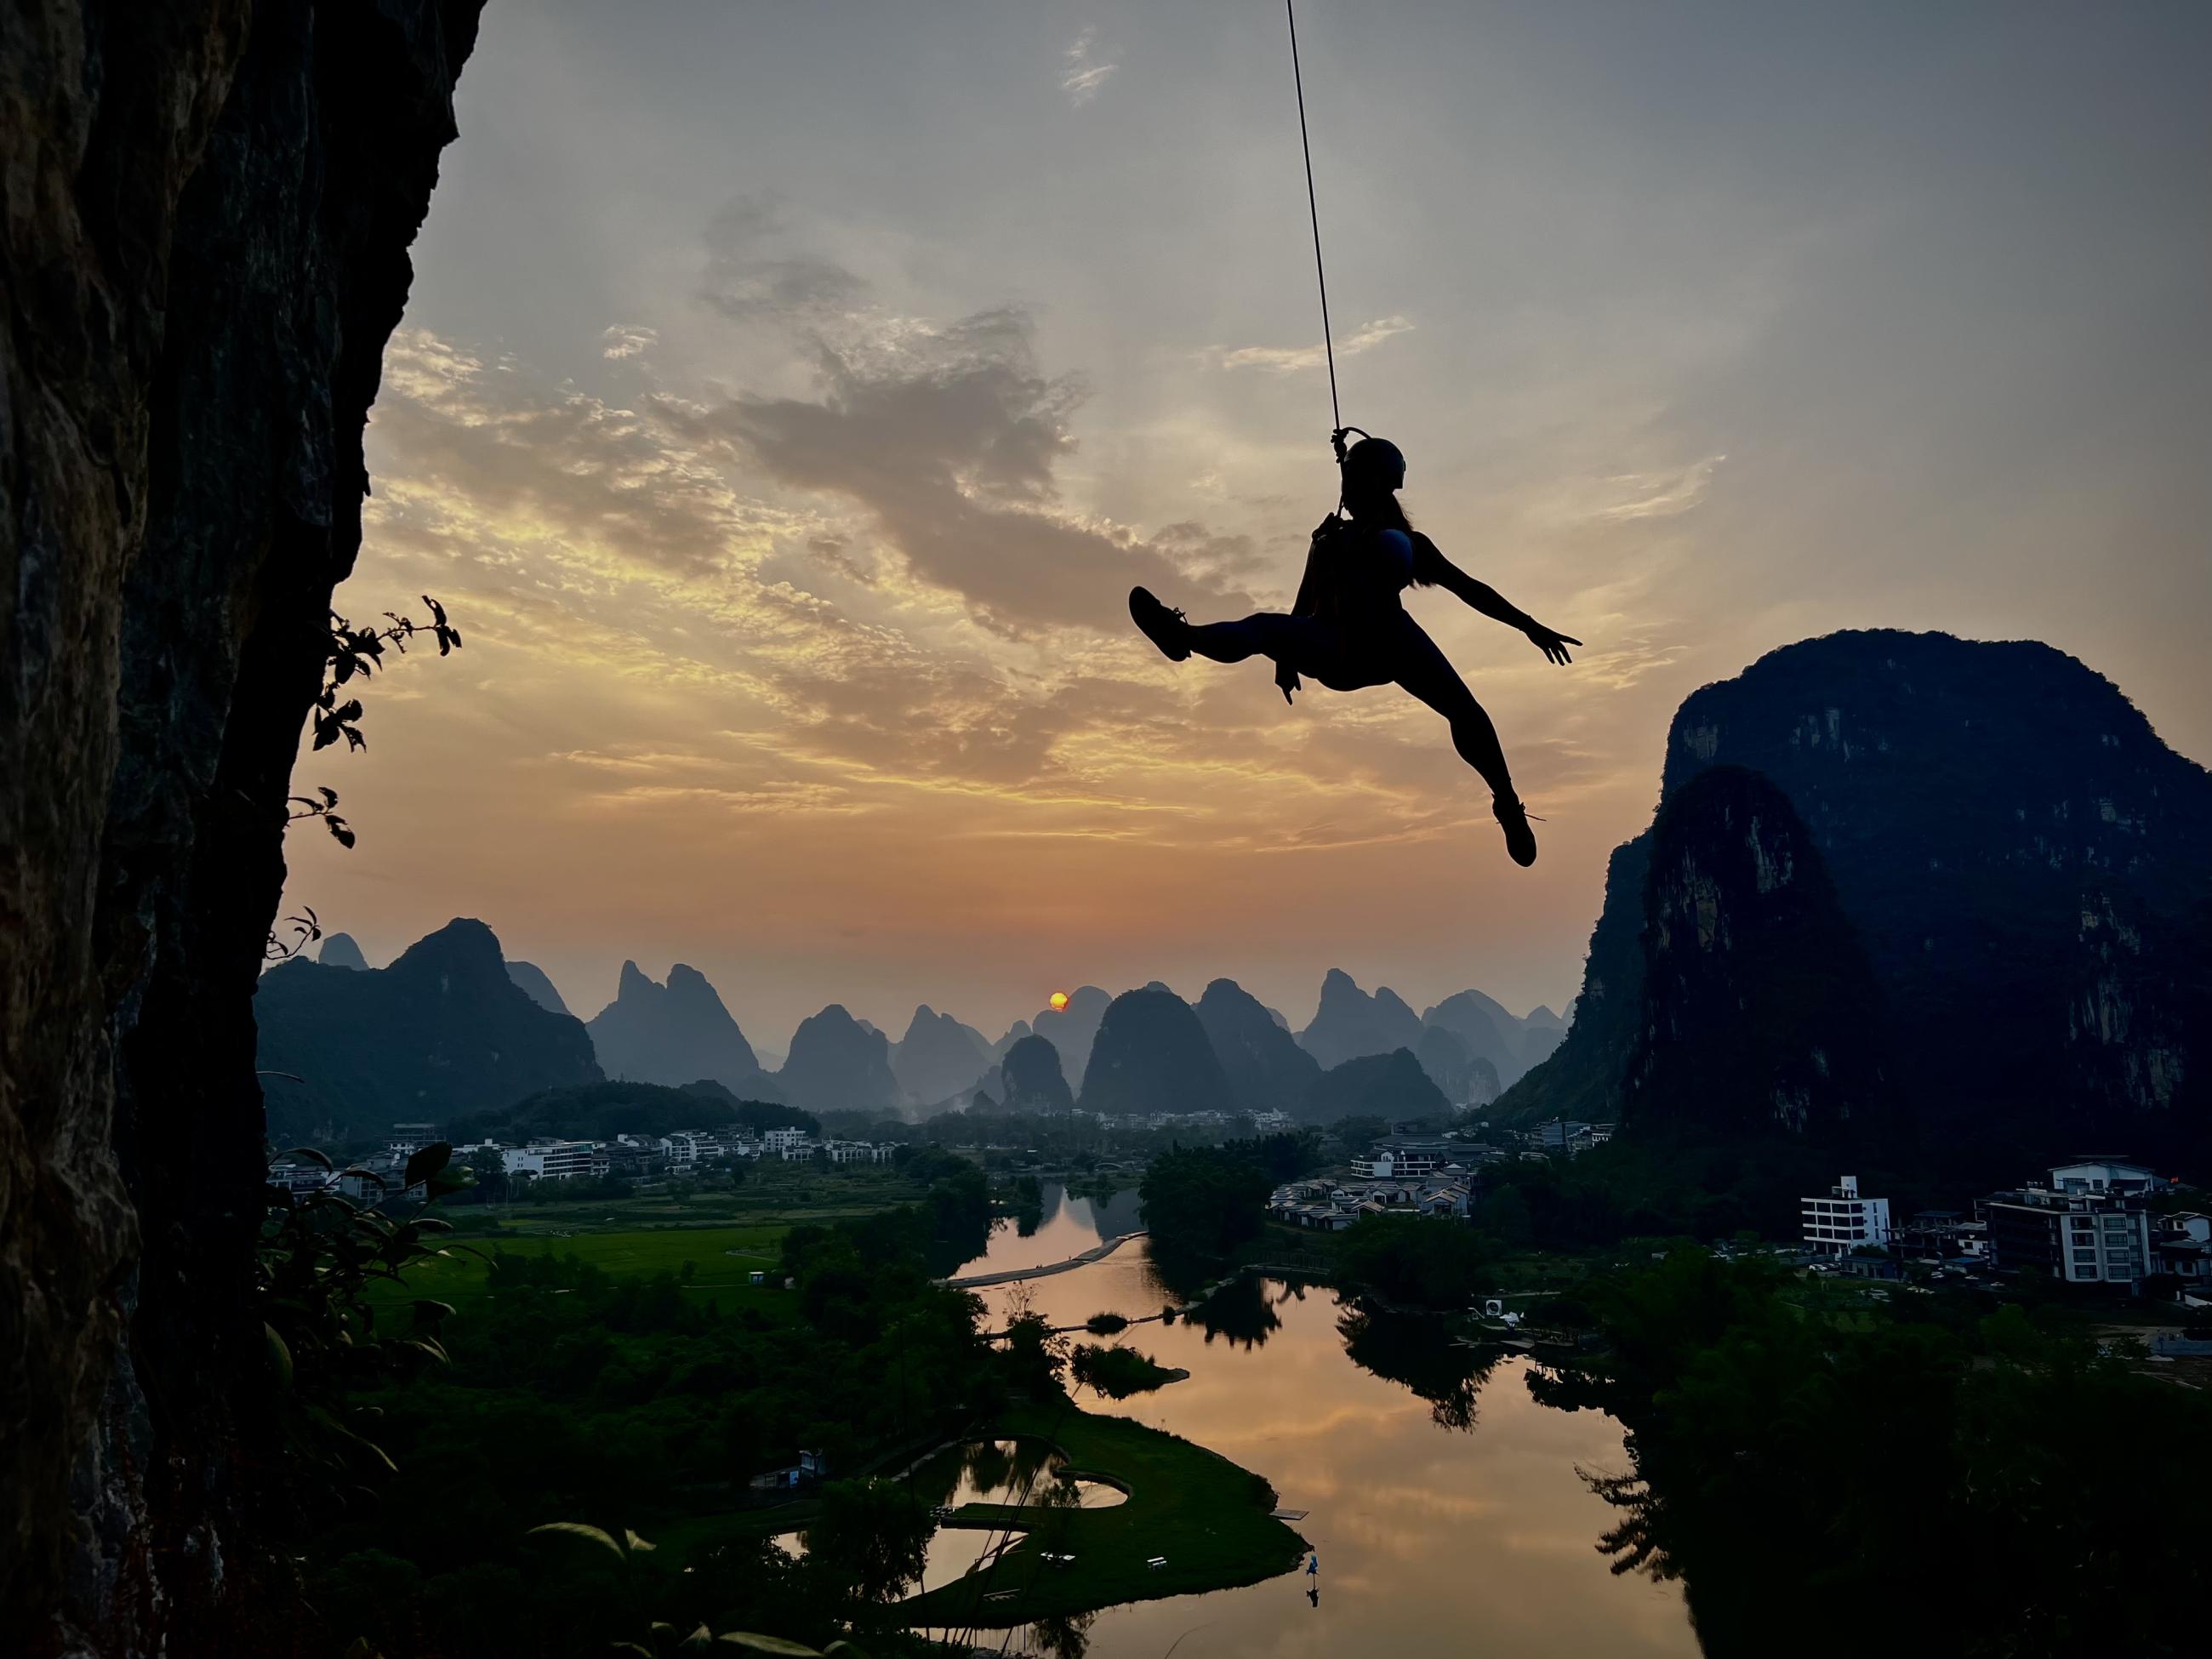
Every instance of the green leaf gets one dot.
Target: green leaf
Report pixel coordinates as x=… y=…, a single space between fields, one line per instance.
x=308 y=1152
x=280 y=1356
x=426 y=1161
x=634 y=1541
x=589 y=1533
x=447 y=1181
x=754 y=1642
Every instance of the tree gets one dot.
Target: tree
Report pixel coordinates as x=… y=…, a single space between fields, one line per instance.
x=872 y=1539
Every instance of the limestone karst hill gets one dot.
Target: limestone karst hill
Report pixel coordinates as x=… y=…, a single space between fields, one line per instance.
x=443 y=1029
x=673 y=1033
x=2025 y=867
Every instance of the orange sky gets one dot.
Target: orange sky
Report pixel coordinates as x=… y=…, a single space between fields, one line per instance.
x=785 y=466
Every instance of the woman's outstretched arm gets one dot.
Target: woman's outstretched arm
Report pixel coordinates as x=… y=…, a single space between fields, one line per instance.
x=1430 y=566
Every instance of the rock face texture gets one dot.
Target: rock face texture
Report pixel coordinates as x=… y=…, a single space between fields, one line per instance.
x=443 y=1032
x=1152 y=1055
x=838 y=1064
x=204 y=250
x=1349 y=1023
x=938 y=1058
x=672 y=1034
x=1265 y=1068
x=2027 y=868
x=1464 y=1078
x=1760 y=1012
x=1031 y=1079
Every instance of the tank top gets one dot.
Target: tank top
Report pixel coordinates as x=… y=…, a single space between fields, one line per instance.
x=1363 y=570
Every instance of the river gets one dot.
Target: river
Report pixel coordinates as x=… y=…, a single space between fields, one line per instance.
x=1451 y=1519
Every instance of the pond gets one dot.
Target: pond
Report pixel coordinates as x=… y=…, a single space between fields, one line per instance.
x=1070 y=1225
x=1445 y=1504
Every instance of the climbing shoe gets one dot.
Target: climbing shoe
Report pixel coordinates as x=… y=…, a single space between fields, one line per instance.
x=1163 y=627
x=1513 y=818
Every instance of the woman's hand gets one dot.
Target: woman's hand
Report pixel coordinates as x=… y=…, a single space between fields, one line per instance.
x=1287 y=678
x=1552 y=643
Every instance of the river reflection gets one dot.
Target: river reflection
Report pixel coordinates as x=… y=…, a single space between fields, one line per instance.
x=1444 y=1503
x=1067 y=1226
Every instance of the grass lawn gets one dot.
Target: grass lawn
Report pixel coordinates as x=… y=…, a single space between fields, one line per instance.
x=722 y=1261
x=1206 y=1515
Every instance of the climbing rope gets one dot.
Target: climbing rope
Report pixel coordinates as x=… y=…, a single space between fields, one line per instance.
x=1313 y=211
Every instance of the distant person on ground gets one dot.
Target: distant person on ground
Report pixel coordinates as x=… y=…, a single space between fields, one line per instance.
x=1349 y=631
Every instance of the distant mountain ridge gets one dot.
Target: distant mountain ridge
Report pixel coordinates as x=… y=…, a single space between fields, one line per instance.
x=441 y=1031
x=938 y=1058
x=839 y=1063
x=1227 y=1052
x=672 y=1034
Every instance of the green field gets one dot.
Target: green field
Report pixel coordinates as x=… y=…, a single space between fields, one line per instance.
x=1206 y=1515
x=725 y=1237
x=722 y=1261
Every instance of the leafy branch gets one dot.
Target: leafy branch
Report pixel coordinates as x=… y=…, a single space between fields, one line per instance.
x=359 y=652
x=351 y=653
x=319 y=1252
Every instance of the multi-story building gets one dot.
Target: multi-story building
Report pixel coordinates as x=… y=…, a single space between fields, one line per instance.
x=1845 y=1220
x=857 y=1151
x=2089 y=1226
x=550 y=1160
x=782 y=1142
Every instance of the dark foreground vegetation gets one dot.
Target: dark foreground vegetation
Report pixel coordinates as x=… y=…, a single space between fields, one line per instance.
x=571 y=1396
x=1974 y=1473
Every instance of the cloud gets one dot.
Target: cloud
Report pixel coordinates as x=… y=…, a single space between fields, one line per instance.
x=1085 y=73
x=1659 y=495
x=748 y=278
x=947 y=435
x=624 y=341
x=1285 y=360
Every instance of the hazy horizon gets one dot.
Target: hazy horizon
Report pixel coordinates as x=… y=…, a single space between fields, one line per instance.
x=787 y=399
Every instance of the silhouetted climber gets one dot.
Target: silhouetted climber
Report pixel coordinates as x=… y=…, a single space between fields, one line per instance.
x=1348 y=630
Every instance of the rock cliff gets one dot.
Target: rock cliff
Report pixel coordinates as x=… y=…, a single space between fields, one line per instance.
x=1265 y=1065
x=443 y=1031
x=938 y=1058
x=1349 y=1023
x=1152 y=1055
x=205 y=250
x=672 y=1034
x=2026 y=867
x=838 y=1064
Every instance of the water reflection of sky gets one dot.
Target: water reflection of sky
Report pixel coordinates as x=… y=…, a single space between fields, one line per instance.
x=1070 y=1225
x=993 y=1472
x=1482 y=1541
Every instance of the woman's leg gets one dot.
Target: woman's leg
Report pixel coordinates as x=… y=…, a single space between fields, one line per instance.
x=1427 y=673
x=1304 y=642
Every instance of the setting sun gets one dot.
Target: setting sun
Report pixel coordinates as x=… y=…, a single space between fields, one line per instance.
x=1058 y=1000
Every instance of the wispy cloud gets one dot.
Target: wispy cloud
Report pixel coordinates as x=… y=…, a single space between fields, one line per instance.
x=1285 y=360
x=1659 y=495
x=1085 y=71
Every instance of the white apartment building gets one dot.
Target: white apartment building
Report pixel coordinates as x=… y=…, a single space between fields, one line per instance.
x=1844 y=1221
x=783 y=1141
x=2087 y=1225
x=551 y=1160
x=857 y=1151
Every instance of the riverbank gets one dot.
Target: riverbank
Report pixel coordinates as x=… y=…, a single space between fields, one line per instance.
x=1204 y=1517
